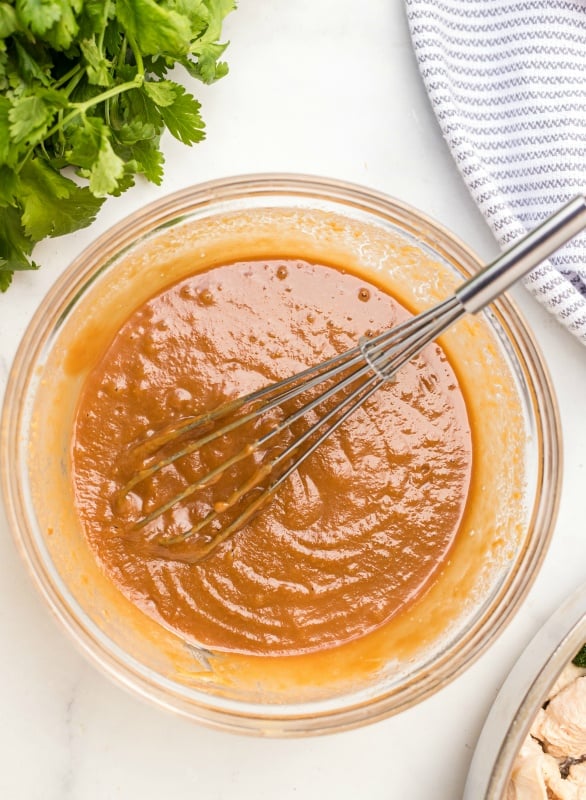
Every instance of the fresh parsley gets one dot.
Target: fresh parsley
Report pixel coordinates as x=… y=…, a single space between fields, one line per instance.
x=84 y=98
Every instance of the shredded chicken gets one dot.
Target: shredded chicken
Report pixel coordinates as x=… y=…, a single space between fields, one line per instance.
x=551 y=765
x=578 y=774
x=527 y=777
x=568 y=675
x=562 y=726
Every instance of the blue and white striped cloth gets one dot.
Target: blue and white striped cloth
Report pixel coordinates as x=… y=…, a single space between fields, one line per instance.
x=507 y=81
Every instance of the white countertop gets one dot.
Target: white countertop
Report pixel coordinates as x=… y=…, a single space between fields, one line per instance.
x=328 y=87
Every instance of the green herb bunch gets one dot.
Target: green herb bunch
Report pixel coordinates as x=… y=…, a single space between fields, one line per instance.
x=84 y=92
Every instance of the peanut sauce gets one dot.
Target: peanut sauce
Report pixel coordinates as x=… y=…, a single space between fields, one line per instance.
x=350 y=539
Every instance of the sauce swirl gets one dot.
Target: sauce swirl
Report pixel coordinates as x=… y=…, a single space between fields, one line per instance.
x=352 y=538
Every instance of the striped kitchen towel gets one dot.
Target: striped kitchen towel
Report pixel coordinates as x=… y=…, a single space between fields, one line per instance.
x=507 y=81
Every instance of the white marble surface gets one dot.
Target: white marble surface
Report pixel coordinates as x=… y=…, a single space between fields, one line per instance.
x=326 y=87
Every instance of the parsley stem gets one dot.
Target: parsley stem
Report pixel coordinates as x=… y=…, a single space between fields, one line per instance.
x=137 y=81
x=81 y=108
x=64 y=78
x=122 y=53
x=137 y=55
x=61 y=134
x=73 y=83
x=104 y=26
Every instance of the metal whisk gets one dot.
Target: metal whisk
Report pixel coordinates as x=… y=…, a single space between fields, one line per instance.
x=359 y=372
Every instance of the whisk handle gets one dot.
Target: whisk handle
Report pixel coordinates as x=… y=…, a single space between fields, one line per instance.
x=523 y=256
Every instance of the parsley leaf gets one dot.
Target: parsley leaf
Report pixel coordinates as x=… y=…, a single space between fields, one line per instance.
x=8 y=20
x=5 y=276
x=580 y=659
x=92 y=151
x=64 y=31
x=207 y=67
x=148 y=160
x=38 y=15
x=30 y=117
x=108 y=168
x=15 y=246
x=52 y=204
x=29 y=67
x=8 y=186
x=7 y=154
x=154 y=27
x=162 y=93
x=97 y=66
x=182 y=117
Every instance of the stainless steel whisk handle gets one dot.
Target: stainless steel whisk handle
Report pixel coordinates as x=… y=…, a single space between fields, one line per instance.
x=523 y=256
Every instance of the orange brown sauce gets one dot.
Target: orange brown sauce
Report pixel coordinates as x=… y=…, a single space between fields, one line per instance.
x=351 y=539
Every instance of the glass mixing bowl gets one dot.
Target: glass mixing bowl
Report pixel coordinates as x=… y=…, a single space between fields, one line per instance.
x=515 y=481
